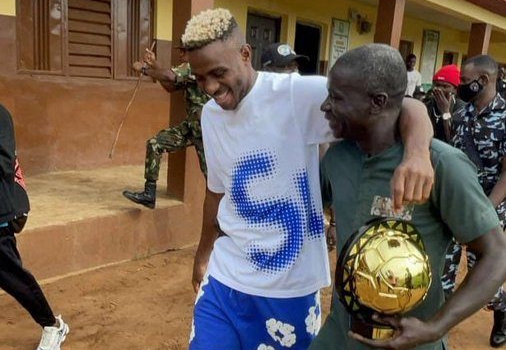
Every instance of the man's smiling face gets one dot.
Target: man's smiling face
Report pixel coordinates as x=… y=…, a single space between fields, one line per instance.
x=222 y=70
x=347 y=105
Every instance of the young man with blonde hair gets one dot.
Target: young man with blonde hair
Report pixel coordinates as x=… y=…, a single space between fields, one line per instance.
x=261 y=133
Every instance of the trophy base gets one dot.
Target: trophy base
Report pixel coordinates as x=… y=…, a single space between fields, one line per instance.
x=371 y=331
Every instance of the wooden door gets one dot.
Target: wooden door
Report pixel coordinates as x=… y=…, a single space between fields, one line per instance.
x=261 y=31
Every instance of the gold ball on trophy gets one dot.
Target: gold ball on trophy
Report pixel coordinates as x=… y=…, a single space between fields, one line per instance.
x=384 y=267
x=392 y=275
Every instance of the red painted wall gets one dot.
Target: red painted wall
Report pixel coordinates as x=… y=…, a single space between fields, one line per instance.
x=65 y=123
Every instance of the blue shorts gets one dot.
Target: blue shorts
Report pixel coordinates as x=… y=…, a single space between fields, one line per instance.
x=225 y=319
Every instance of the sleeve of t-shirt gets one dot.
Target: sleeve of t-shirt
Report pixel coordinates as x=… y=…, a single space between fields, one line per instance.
x=211 y=151
x=326 y=188
x=463 y=205
x=418 y=79
x=308 y=94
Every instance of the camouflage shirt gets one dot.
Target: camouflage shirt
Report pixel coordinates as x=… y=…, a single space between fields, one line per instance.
x=488 y=131
x=195 y=98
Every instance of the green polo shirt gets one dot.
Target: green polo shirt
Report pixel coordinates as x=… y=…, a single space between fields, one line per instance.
x=350 y=180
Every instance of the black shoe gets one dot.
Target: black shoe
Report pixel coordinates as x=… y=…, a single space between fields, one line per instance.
x=146 y=198
x=498 y=335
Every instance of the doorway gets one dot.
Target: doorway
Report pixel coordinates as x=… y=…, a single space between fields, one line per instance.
x=307 y=42
x=406 y=48
x=450 y=57
x=261 y=31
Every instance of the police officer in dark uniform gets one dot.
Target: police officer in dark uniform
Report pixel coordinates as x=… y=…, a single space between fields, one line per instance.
x=481 y=134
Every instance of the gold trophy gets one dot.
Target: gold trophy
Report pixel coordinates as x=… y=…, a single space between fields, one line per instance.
x=382 y=268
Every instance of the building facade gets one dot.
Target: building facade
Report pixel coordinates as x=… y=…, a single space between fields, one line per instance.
x=66 y=78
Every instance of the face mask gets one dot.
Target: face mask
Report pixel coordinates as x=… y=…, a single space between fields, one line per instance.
x=467 y=92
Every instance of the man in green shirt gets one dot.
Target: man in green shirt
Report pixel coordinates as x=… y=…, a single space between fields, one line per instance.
x=366 y=87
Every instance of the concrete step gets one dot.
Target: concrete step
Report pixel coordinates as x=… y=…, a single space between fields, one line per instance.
x=80 y=220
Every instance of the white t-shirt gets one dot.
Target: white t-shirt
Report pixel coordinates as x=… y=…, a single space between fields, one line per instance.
x=414 y=80
x=264 y=157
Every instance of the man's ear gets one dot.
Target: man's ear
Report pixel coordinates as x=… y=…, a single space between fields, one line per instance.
x=484 y=79
x=378 y=102
x=246 y=52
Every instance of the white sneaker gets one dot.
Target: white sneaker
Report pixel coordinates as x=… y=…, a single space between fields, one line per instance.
x=53 y=337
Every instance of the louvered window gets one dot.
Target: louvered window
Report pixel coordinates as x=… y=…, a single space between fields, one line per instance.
x=85 y=38
x=90 y=38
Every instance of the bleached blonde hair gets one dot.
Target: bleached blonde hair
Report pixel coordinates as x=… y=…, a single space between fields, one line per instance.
x=206 y=27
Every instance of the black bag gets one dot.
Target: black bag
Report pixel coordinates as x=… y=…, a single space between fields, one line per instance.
x=21 y=201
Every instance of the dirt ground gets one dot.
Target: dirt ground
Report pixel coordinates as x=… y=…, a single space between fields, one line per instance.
x=146 y=304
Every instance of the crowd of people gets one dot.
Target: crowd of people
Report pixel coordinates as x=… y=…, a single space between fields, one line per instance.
x=276 y=148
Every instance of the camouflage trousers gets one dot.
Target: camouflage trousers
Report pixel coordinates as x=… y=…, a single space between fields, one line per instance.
x=186 y=134
x=452 y=261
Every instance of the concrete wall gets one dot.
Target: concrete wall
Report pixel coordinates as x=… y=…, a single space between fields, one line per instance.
x=66 y=123
x=164 y=20
x=69 y=123
x=498 y=51
x=322 y=11
x=449 y=39
x=465 y=10
x=291 y=11
x=8 y=7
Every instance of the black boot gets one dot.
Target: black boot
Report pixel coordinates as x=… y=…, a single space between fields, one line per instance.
x=146 y=198
x=498 y=335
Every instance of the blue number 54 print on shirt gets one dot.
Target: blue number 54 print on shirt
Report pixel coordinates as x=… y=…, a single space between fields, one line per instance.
x=295 y=215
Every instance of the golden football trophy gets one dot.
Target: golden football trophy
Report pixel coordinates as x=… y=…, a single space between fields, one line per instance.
x=382 y=268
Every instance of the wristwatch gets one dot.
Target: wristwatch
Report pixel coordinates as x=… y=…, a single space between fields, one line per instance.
x=446 y=116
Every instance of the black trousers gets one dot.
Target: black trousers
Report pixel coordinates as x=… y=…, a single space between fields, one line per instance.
x=20 y=283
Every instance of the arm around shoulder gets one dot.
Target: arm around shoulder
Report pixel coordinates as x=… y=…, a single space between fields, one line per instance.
x=307 y=93
x=413 y=178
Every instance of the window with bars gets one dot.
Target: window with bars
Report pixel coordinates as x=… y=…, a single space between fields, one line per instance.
x=85 y=38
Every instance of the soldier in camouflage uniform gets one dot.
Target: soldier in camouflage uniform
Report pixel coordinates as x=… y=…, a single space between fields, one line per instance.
x=179 y=137
x=481 y=134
